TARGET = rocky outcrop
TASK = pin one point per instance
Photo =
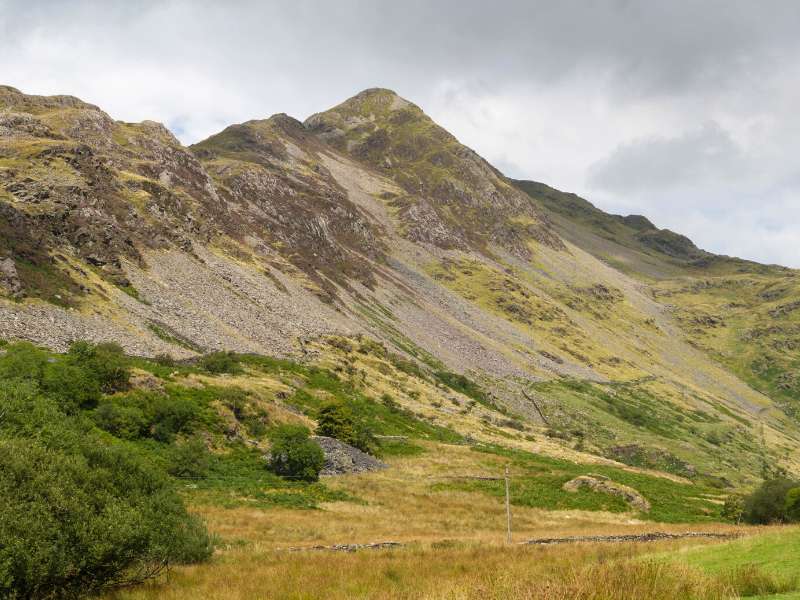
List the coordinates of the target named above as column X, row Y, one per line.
column 341, row 458
column 9, row 279
column 602, row 484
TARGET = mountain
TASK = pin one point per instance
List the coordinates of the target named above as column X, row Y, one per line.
column 590, row 334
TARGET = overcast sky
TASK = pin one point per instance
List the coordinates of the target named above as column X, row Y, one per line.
column 687, row 112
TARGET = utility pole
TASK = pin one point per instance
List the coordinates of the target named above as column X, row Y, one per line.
column 508, row 509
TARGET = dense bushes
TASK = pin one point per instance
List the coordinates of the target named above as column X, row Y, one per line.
column 75, row 380
column 146, row 414
column 293, row 454
column 220, row 362
column 79, row 513
column 775, row 501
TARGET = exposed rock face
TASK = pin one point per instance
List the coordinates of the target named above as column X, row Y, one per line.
column 453, row 198
column 9, row 279
column 599, row 483
column 341, row 458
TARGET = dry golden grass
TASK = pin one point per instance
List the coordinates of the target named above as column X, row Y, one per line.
column 398, row 504
column 453, row 547
column 446, row 571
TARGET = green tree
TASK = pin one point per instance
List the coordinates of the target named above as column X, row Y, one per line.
column 293, row 454
column 767, row 504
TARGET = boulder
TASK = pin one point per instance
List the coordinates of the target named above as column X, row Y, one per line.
column 602, row 484
column 9, row 279
column 341, row 458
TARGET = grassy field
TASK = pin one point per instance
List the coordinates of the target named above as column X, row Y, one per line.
column 465, row 570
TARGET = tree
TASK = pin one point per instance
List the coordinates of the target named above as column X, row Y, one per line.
column 293, row 454
column 767, row 504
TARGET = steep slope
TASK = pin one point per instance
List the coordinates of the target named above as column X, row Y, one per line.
column 369, row 219
column 743, row 314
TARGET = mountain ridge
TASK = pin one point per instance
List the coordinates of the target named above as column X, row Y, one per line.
column 370, row 219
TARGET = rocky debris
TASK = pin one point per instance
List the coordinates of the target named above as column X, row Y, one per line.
column 348, row 547
column 656, row 536
column 341, row 458
column 784, row 309
column 602, row 484
column 636, row 455
column 9, row 279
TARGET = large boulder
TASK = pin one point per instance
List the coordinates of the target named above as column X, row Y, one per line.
column 602, row 484
column 9, row 279
column 341, row 458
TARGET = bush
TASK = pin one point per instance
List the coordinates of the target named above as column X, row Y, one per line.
column 143, row 414
column 78, row 514
column 733, row 509
column 768, row 504
column 106, row 363
column 190, row 459
column 73, row 387
column 23, row 361
column 336, row 420
column 294, row 454
column 75, row 380
column 126, row 422
column 792, row 505
column 220, row 362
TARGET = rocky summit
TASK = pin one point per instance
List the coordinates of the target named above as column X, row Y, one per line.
column 368, row 221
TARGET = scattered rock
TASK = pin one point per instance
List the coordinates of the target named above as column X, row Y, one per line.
column 656, row 536
column 348, row 547
column 602, row 484
column 341, row 458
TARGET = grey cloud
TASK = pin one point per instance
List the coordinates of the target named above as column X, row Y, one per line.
column 695, row 158
column 610, row 98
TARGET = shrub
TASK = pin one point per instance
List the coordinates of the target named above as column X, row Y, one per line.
column 336, row 420
column 171, row 416
column 106, row 363
column 190, row 459
column 126, row 422
column 78, row 514
column 164, row 360
column 294, row 454
column 792, row 505
column 220, row 362
column 73, row 387
column 144, row 414
column 733, row 509
column 768, row 503
column 23, row 361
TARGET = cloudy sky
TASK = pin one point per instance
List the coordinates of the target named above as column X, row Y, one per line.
column 687, row 112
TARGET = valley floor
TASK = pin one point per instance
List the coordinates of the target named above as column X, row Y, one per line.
column 453, row 547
